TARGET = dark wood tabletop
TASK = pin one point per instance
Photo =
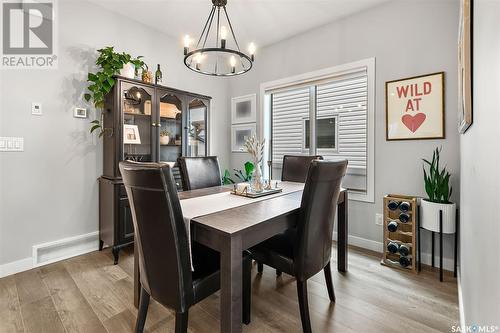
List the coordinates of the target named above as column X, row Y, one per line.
column 233, row 230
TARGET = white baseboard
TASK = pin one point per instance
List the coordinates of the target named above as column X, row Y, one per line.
column 50, row 252
column 379, row 247
column 16, row 267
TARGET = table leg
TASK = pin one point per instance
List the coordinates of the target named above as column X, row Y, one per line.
column 231, row 286
column 342, row 233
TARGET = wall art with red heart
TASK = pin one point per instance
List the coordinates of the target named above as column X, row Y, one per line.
column 415, row 108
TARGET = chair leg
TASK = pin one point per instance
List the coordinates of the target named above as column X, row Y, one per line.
column 329, row 282
column 247, row 291
column 260, row 267
column 143, row 311
column 304, row 306
column 181, row 322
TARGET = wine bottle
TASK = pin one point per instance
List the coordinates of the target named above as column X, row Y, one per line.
column 392, row 226
column 392, row 247
column 404, row 206
column 158, row 75
column 404, row 217
column 404, row 261
column 393, row 205
column 404, row 250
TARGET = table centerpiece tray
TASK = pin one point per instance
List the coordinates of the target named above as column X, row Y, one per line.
column 251, row 194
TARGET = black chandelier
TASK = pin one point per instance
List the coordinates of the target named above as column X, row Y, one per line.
column 218, row 60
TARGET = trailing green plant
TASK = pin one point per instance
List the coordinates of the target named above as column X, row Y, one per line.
column 437, row 181
column 247, row 176
column 226, row 178
column 101, row 82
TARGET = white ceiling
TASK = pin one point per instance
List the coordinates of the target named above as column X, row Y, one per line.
column 261, row 21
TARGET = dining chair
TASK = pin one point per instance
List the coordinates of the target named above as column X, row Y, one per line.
column 305, row 250
column 199, row 172
column 163, row 247
column 294, row 169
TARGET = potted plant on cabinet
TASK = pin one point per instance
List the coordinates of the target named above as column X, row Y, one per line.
column 101, row 82
column 438, row 189
column 164, row 137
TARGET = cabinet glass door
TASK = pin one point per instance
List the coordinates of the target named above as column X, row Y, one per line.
column 170, row 120
column 197, row 128
column 137, row 123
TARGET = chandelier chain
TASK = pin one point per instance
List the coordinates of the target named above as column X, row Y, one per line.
column 205, row 27
column 231, row 28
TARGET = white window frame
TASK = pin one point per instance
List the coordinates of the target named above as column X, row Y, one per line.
column 326, row 75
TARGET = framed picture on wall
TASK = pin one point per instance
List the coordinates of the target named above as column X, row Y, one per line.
column 415, row 108
column 465, row 66
column 239, row 134
column 244, row 109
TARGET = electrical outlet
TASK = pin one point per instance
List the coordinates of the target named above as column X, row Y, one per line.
column 36, row 109
column 379, row 219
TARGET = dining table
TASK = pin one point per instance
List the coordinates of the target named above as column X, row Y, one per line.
column 232, row 230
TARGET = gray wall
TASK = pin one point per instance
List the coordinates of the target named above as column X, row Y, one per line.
column 407, row 38
column 50, row 190
column 480, row 180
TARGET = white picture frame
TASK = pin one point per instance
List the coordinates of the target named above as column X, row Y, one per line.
column 239, row 134
column 131, row 135
column 244, row 109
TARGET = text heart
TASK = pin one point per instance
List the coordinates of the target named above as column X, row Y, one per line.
column 413, row 122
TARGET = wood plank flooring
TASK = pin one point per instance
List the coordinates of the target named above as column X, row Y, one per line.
column 90, row 294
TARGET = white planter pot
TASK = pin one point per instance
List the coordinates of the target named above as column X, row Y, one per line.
column 128, row 70
column 164, row 140
column 430, row 216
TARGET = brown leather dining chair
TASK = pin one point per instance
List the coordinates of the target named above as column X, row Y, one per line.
column 199, row 172
column 295, row 168
column 305, row 250
column 163, row 247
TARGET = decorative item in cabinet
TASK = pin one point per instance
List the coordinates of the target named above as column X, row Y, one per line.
column 400, row 236
column 168, row 110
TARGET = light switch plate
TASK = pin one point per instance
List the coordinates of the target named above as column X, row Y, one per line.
column 36, row 109
column 11, row 144
column 379, row 219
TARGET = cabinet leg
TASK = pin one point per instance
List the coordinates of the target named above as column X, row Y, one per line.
column 116, row 255
column 441, row 245
column 101, row 244
column 432, row 252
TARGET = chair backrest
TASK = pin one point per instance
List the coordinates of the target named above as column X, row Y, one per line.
column 295, row 167
column 199, row 172
column 161, row 238
column 313, row 247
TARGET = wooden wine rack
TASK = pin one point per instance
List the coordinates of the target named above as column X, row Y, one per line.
column 405, row 234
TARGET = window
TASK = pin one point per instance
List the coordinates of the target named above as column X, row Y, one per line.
column 328, row 113
column 326, row 129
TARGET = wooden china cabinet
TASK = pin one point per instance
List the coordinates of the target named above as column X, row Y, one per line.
column 145, row 123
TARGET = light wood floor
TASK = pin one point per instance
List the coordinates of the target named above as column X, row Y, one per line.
column 90, row 294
